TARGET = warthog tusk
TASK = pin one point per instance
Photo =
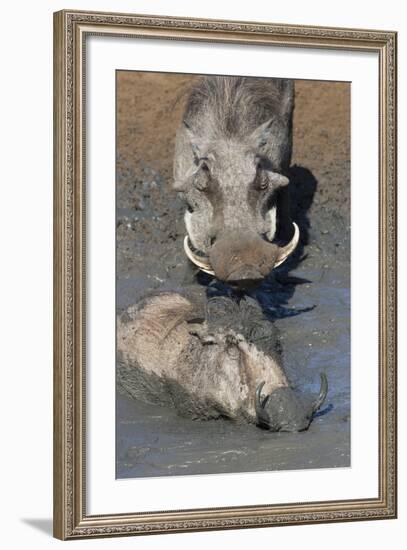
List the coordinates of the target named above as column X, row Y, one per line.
column 289, row 248
column 261, row 403
column 262, row 418
column 322, row 392
column 202, row 263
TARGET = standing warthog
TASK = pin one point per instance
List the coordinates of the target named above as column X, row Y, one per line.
column 216, row 366
column 232, row 153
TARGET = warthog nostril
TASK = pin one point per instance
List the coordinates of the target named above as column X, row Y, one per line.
column 212, row 241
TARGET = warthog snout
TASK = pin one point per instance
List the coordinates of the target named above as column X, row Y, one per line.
column 286, row 410
column 242, row 259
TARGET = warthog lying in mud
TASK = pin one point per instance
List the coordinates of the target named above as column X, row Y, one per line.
column 232, row 153
column 210, row 367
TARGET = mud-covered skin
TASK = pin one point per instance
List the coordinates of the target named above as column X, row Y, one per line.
column 201, row 360
column 207, row 367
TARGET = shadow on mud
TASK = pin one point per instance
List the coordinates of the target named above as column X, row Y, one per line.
column 278, row 288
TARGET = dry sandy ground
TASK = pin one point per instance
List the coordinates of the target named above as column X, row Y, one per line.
column 309, row 299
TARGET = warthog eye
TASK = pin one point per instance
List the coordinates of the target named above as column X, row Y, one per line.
column 203, row 164
column 201, row 182
column 261, row 182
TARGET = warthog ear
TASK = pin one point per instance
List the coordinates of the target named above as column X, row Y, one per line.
column 198, row 145
column 261, row 134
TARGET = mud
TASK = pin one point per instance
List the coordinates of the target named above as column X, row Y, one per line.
column 308, row 298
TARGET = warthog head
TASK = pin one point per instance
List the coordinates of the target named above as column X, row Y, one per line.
column 286, row 410
column 231, row 154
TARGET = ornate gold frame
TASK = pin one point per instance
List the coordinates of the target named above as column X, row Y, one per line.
column 70, row 518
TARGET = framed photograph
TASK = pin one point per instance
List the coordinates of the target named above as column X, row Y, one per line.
column 225, row 274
